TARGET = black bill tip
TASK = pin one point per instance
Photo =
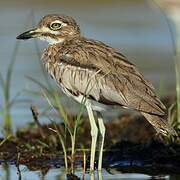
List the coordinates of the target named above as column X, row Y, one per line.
column 23, row 37
column 27, row 35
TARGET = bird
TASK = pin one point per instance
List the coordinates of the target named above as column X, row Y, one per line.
column 89, row 69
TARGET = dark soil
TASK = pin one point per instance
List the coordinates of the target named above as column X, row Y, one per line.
column 33, row 148
column 151, row 158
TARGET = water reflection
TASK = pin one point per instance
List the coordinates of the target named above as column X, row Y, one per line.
column 11, row 172
column 6, row 171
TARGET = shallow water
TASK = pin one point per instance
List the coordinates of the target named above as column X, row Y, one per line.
column 10, row 172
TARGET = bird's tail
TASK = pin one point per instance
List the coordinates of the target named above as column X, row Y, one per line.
column 160, row 124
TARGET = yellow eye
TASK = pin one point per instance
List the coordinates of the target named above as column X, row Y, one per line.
column 55, row 26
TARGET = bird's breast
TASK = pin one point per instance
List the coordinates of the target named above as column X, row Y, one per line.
column 63, row 74
column 74, row 81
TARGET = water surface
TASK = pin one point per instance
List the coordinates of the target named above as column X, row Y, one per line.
column 11, row 172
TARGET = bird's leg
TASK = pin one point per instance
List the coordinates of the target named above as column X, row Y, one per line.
column 101, row 142
column 94, row 133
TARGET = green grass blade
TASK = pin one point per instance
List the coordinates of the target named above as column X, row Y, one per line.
column 42, row 143
column 39, row 84
column 15, row 99
column 59, row 109
column 7, row 85
column 1, row 81
column 5, row 139
column 33, row 93
column 177, row 69
column 62, row 143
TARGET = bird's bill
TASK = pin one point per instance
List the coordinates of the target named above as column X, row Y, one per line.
column 33, row 33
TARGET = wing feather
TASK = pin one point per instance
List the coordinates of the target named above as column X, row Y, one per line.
column 117, row 82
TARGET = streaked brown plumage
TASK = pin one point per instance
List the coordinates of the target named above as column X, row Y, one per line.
column 117, row 82
column 85, row 67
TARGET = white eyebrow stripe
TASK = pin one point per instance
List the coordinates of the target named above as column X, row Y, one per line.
column 47, row 30
column 58, row 21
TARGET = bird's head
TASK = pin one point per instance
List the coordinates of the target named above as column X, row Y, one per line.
column 54, row 29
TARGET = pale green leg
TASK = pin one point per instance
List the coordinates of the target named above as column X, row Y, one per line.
column 92, row 176
column 94, row 133
column 101, row 144
column 100, row 175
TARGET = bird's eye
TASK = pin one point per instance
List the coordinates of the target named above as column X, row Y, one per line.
column 55, row 26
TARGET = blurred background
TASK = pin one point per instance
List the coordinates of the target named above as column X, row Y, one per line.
column 137, row 28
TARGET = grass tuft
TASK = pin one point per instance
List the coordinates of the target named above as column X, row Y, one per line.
column 6, row 88
column 5, row 84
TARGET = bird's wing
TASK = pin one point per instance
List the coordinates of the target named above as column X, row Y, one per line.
column 119, row 82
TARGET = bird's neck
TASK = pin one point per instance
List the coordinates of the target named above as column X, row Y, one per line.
column 49, row 53
column 55, row 48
